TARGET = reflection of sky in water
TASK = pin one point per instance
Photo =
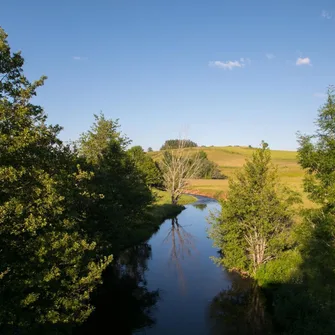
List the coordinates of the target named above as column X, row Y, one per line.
column 171, row 285
column 185, row 294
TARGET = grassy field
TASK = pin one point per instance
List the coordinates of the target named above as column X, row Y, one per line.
column 230, row 159
column 164, row 198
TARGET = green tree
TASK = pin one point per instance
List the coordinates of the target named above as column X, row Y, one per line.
column 150, row 149
column 47, row 267
column 124, row 195
column 147, row 166
column 316, row 155
column 313, row 301
column 209, row 169
column 93, row 144
column 175, row 144
column 255, row 222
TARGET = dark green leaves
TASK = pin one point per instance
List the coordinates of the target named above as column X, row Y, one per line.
column 48, row 268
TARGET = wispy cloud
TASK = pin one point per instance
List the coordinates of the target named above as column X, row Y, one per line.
column 320, row 95
column 270, row 56
column 303, row 61
column 326, row 15
column 79, row 58
column 229, row 65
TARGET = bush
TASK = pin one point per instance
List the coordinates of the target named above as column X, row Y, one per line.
column 281, row 270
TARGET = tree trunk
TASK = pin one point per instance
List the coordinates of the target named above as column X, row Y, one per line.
column 174, row 200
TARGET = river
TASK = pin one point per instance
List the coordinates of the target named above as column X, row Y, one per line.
column 169, row 285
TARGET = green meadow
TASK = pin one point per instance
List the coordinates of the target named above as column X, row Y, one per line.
column 232, row 158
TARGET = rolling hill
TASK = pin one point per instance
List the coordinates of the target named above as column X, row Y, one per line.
column 231, row 158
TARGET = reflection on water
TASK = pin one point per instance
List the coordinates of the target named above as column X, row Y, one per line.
column 169, row 285
column 240, row 309
column 123, row 303
column 181, row 245
column 200, row 205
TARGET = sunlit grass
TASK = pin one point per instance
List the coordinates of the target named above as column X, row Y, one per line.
column 163, row 197
column 231, row 158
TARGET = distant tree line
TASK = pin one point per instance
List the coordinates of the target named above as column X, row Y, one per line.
column 175, row 144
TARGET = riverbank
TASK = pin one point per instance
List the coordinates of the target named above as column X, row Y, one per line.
column 156, row 214
column 164, row 197
column 217, row 195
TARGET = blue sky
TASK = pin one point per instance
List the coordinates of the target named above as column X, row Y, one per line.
column 223, row 72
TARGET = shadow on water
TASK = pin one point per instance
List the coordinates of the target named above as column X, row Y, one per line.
column 185, row 293
column 240, row 309
column 200, row 205
column 123, row 304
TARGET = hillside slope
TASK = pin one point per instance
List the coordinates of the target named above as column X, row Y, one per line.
column 232, row 158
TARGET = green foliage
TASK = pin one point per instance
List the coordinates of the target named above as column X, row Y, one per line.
column 95, row 142
column 124, row 195
column 301, row 283
column 317, row 156
column 208, row 169
column 48, row 267
column 284, row 269
column 307, row 307
column 147, row 166
column 175, row 144
column 255, row 222
column 150, row 149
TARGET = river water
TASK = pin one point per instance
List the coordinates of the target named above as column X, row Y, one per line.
column 169, row 285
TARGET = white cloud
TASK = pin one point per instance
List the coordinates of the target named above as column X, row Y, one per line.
column 79, row 58
column 303, row 61
column 270, row 56
column 229, row 65
column 320, row 95
column 326, row 15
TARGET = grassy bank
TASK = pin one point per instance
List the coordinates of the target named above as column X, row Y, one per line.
column 160, row 211
column 163, row 198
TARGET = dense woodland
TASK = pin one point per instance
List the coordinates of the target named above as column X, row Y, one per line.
column 66, row 209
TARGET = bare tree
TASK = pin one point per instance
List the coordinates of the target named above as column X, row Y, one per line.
column 178, row 166
column 182, row 245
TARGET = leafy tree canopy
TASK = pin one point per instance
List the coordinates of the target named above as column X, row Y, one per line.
column 124, row 193
column 255, row 222
column 47, row 266
column 147, row 166
column 174, row 144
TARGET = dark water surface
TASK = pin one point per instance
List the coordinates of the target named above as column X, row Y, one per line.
column 181, row 268
column 169, row 285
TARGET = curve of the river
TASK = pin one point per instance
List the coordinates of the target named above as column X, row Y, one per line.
column 170, row 285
